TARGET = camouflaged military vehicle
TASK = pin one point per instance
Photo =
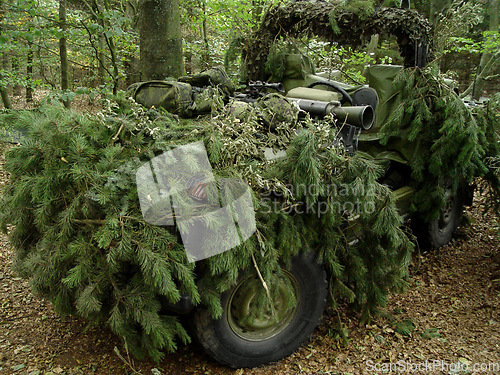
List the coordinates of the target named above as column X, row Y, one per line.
column 236, row 339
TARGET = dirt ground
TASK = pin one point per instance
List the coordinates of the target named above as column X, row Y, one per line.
column 447, row 322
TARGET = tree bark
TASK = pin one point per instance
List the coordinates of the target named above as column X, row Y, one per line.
column 432, row 13
column 372, row 47
column 204, row 33
column 487, row 59
column 114, row 63
column 29, row 73
column 160, row 39
column 3, row 88
column 473, row 89
column 4, row 92
column 17, row 88
column 5, row 98
column 63, row 50
column 101, row 58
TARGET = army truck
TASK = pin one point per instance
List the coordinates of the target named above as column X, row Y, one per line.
column 237, row 338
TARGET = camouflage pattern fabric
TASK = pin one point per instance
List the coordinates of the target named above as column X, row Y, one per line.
column 275, row 110
column 212, row 77
column 207, row 100
column 240, row 110
column 189, row 96
column 272, row 112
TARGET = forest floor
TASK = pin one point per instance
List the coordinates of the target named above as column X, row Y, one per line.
column 450, row 312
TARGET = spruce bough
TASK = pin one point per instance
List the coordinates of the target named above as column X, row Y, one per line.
column 74, row 220
column 447, row 141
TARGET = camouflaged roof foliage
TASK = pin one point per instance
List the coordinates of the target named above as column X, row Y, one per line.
column 313, row 18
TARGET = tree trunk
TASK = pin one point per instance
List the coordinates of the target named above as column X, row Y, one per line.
column 3, row 89
column 5, row 98
column 495, row 15
column 110, row 43
column 17, row 88
column 487, row 61
column 101, row 58
column 29, row 73
column 63, row 50
column 432, row 13
column 204, row 32
column 160, row 39
column 114, row 63
column 372, row 47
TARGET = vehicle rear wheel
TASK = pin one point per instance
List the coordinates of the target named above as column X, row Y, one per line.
column 239, row 339
column 438, row 232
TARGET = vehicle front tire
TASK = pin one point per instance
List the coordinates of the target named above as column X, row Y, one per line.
column 236, row 340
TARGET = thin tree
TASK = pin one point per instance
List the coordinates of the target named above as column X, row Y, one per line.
column 63, row 50
column 29, row 72
column 489, row 58
column 3, row 87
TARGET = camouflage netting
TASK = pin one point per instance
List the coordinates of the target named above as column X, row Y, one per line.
column 351, row 24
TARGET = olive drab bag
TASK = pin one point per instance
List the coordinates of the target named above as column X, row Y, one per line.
column 175, row 97
column 189, row 96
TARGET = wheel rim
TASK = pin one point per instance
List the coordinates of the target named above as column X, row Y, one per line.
column 242, row 303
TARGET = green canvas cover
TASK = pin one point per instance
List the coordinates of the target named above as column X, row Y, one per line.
column 313, row 94
column 380, row 77
column 399, row 149
column 298, row 66
column 299, row 72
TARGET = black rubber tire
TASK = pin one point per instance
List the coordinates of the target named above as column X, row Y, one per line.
column 438, row 232
column 224, row 345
